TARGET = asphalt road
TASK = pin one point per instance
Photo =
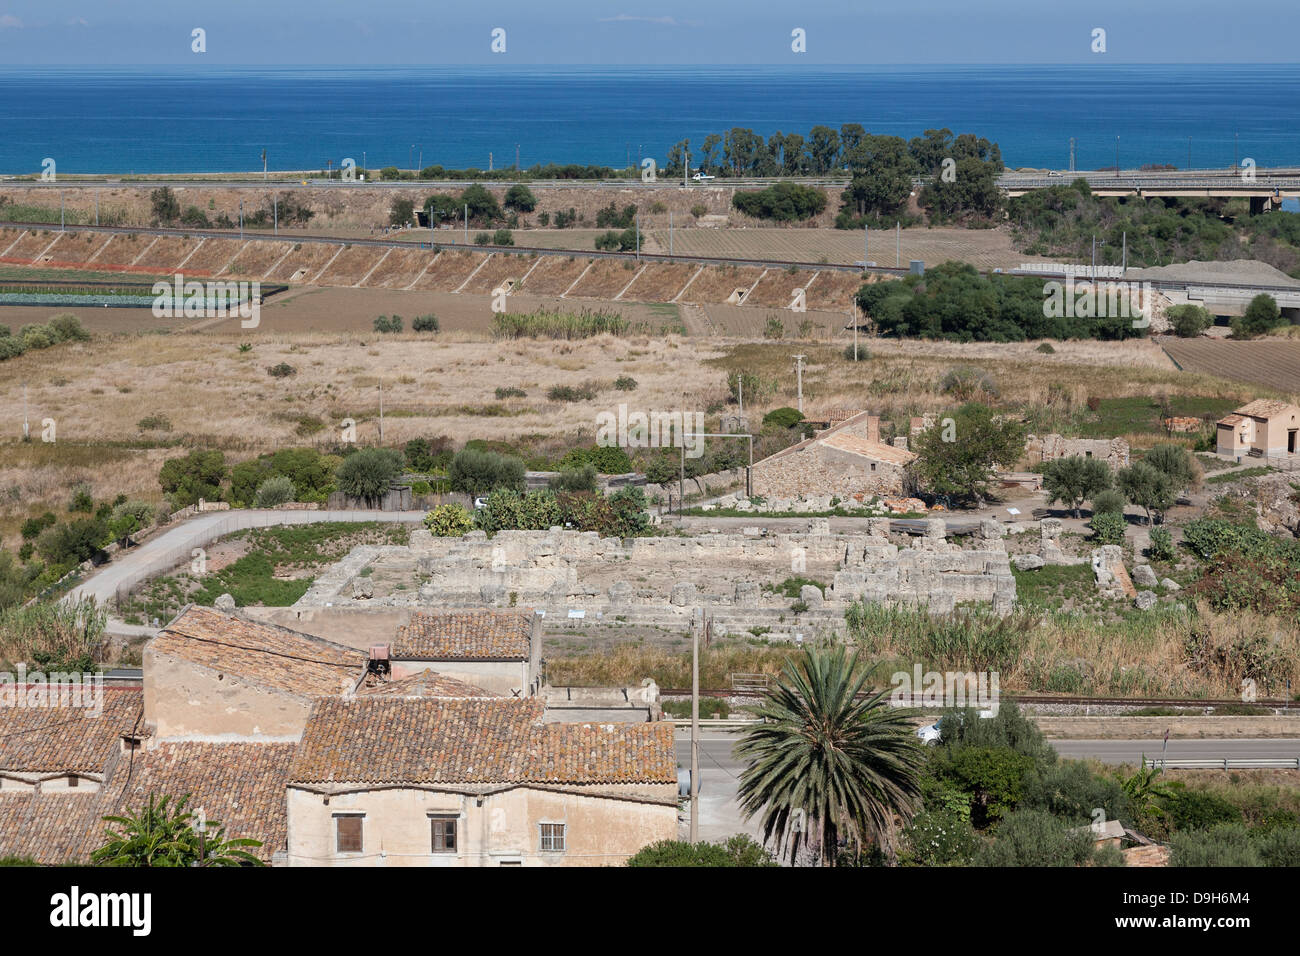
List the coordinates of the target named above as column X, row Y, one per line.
column 176, row 546
column 720, row 769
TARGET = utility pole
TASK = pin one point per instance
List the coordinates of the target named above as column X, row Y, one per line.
column 1072, row 141
column 695, row 728
column 740, row 391
column 798, row 371
column 263, row 165
column 516, row 157
column 638, row 234
column 26, row 428
column 241, row 219
column 97, row 207
column 61, row 218
column 381, row 410
column 1123, row 267
column 670, row 232
column 898, row 244
column 855, row 329
column 1117, row 157
column 467, row 224
column 489, row 162
column 1236, row 151
column 275, row 208
column 1189, row 152
column 363, row 162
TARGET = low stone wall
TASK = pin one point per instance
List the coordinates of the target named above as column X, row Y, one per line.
column 1179, row 727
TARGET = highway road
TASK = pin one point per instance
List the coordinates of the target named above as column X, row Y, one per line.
column 720, row 769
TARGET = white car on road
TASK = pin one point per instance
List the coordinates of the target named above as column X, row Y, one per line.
column 929, row 735
column 701, row 177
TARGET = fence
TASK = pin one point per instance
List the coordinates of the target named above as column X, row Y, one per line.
column 1226, row 763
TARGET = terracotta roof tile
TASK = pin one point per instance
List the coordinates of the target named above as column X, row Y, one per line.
column 427, row 683
column 465, row 636
column 876, row 450
column 263, row 653
column 369, row 740
column 1264, row 408
column 66, row 738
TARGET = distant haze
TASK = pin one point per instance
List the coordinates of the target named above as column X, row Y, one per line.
column 571, row 32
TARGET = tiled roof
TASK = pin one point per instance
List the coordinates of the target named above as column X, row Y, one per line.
column 1231, row 420
column 370, row 740
column 866, row 448
column 427, row 683
column 1264, row 408
column 465, row 636
column 66, row 738
column 241, row 785
column 263, row 653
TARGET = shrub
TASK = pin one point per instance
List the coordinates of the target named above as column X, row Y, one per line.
column 774, row 328
column 519, row 197
column 1188, row 321
column 1045, row 348
column 965, row 383
column 941, row 838
column 1109, row 501
column 572, row 393
column 385, row 324
column 510, row 391
column 625, row 383
column 575, row 479
column 424, row 323
column 547, row 324
column 281, row 370
column 1226, row 845
column 154, row 423
column 699, row 209
column 449, row 521
column 72, row 543
column 1036, row 838
column 739, row 850
column 275, row 491
column 784, row 202
column 1162, row 544
column 503, row 237
column 401, row 212
column 477, row 472
column 67, row 328
column 32, row 527
column 482, row 238
column 1199, row 810
column 1108, row 527
column 862, row 353
column 1260, row 316
column 785, row 417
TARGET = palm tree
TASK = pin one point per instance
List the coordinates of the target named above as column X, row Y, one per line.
column 845, row 765
column 165, row 835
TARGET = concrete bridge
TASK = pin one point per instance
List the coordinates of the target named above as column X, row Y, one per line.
column 1266, row 188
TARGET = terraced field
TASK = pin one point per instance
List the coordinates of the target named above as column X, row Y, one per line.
column 1271, row 362
column 553, row 276
column 606, row 279
column 496, row 271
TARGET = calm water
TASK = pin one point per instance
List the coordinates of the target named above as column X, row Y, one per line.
column 179, row 120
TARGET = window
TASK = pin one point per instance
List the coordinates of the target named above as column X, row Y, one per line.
column 553, row 837
column 347, row 832
column 443, row 834
column 74, row 781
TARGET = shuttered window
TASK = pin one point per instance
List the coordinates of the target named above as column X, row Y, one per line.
column 347, row 832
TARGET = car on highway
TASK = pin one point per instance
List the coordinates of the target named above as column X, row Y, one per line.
column 930, row 734
column 702, row 177
column 480, row 504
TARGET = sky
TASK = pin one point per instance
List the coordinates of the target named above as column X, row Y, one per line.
column 270, row 33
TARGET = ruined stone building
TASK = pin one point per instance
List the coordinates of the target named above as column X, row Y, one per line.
column 844, row 460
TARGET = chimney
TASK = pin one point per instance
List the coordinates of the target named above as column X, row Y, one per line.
column 873, row 428
column 379, row 663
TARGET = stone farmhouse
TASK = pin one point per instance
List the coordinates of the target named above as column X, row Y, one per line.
column 1043, row 448
column 843, row 460
column 269, row 730
column 1265, row 428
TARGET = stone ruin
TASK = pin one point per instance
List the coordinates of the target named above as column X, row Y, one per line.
column 580, row 576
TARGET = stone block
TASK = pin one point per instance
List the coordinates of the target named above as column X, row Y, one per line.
column 1028, row 562
column 1144, row 576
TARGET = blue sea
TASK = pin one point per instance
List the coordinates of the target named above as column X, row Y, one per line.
column 175, row 120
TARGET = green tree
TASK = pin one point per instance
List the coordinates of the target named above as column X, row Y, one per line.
column 163, row 833
column 738, row 850
column 369, row 473
column 582, row 478
column 197, row 475
column 1074, row 480
column 164, row 205
column 882, row 179
column 1149, row 488
column 483, row 206
column 274, row 491
column 520, row 198
column 846, row 765
column 1260, row 316
column 958, row 454
column 401, row 212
